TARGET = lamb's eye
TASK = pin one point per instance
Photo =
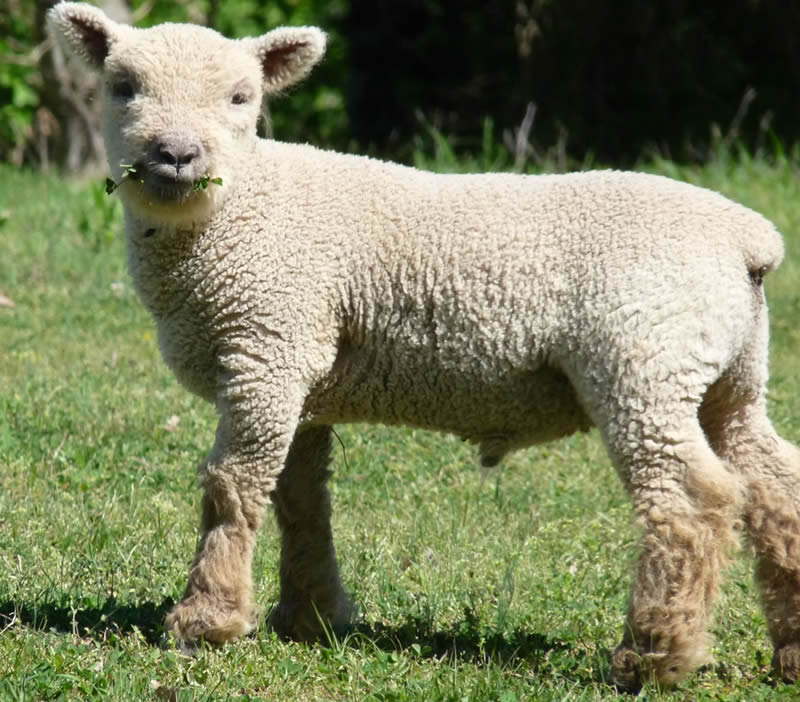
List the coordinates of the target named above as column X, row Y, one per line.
column 239, row 98
column 122, row 89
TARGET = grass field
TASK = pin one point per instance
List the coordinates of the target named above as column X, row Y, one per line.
column 503, row 586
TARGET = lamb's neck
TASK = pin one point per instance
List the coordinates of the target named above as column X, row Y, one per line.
column 159, row 260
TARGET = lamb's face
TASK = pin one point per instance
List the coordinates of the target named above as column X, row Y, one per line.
column 181, row 103
column 180, row 108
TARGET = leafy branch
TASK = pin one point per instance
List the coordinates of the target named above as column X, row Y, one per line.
column 129, row 171
column 203, row 182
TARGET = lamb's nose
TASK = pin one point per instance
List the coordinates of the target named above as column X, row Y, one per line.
column 177, row 153
column 177, row 149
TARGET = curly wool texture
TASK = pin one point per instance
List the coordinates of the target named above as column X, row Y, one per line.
column 313, row 287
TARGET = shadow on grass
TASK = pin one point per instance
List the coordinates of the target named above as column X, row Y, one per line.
column 95, row 622
column 465, row 642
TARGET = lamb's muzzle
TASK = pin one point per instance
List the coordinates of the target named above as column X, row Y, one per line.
column 175, row 160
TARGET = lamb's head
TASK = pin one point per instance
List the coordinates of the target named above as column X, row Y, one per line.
column 181, row 102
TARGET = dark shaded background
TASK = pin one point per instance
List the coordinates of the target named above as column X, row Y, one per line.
column 613, row 78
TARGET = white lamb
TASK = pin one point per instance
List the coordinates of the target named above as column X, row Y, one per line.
column 310, row 287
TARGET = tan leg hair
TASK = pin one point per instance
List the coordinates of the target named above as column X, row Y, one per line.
column 217, row 605
column 688, row 535
column 770, row 469
column 312, row 598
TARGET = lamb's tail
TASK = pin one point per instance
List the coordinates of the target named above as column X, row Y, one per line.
column 762, row 245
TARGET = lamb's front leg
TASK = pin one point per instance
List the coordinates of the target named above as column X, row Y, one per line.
column 237, row 480
column 217, row 605
column 312, row 597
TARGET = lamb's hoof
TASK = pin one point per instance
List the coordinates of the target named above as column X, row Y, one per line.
column 626, row 669
column 786, row 662
column 305, row 623
column 185, row 648
column 201, row 618
column 630, row 669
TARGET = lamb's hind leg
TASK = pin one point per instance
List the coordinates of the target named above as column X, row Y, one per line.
column 311, row 595
column 685, row 501
column 740, row 432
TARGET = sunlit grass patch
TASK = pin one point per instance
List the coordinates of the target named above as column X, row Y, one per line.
column 505, row 585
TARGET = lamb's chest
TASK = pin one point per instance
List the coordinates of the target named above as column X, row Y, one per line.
column 167, row 280
column 187, row 350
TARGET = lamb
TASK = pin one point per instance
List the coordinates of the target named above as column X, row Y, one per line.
column 295, row 288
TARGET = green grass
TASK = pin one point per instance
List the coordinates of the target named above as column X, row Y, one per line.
column 503, row 586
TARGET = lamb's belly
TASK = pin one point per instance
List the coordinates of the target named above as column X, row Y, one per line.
column 513, row 410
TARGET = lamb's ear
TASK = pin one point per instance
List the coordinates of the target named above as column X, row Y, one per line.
column 287, row 55
column 82, row 30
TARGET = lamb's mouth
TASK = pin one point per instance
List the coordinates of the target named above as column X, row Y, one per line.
column 164, row 183
column 169, row 184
